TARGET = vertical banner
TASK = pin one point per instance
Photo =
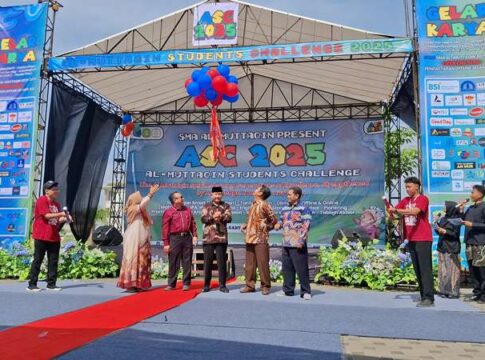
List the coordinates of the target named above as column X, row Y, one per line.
column 451, row 37
column 22, row 33
column 215, row 24
column 339, row 164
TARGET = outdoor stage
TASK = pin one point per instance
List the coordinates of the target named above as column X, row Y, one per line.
column 334, row 323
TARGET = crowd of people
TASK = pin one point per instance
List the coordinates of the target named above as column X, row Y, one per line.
column 179, row 236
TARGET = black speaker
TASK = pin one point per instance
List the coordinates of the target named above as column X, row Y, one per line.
column 351, row 235
column 107, row 235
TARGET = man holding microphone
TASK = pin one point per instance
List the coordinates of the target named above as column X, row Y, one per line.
column 48, row 220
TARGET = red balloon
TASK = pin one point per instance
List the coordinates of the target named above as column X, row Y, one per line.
column 201, row 100
column 213, row 73
column 187, row 82
column 232, row 90
column 127, row 129
column 219, row 83
column 217, row 101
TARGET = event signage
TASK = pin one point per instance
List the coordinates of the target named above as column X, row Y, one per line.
column 452, row 95
column 339, row 164
column 215, row 24
column 22, row 30
column 232, row 54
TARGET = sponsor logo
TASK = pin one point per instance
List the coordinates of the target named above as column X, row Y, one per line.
column 455, row 132
column 437, row 100
column 481, row 99
column 463, row 154
column 454, row 100
column 438, row 154
column 6, row 191
column 3, row 153
column 435, row 121
column 12, row 106
column 465, row 165
column 440, row 132
column 25, row 116
column 481, row 142
column 464, row 121
column 20, row 163
column 443, row 86
column 441, row 165
column 476, row 112
column 12, row 117
column 24, row 190
column 22, row 136
column 440, row 174
column 26, row 105
column 4, row 173
column 480, row 121
column 468, row 132
column 16, row 128
column 7, row 136
column 4, row 127
column 470, row 99
column 467, row 185
column 479, row 131
column 457, row 185
column 3, row 105
column 467, row 86
column 462, row 142
column 481, row 85
column 457, row 174
column 459, row 111
column 440, row 112
column 3, row 118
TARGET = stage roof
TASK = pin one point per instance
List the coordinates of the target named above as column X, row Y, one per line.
column 350, row 80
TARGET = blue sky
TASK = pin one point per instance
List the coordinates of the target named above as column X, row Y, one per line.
column 81, row 22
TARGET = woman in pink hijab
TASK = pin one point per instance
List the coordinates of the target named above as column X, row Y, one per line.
column 135, row 270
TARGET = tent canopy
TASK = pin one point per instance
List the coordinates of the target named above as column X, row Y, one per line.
column 356, row 80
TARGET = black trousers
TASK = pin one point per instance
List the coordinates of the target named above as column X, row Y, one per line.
column 181, row 250
column 478, row 279
column 421, row 256
column 40, row 248
column 295, row 262
column 220, row 251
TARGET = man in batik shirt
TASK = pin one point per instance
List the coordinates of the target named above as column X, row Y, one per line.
column 295, row 222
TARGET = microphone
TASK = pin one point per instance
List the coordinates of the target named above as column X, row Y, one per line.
column 68, row 215
column 462, row 203
column 388, row 206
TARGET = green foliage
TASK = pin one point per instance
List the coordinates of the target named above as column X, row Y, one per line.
column 408, row 162
column 275, row 272
column 160, row 269
column 75, row 262
column 352, row 264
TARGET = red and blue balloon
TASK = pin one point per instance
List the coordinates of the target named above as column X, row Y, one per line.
column 212, row 85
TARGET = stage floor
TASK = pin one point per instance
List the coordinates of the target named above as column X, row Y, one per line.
column 336, row 322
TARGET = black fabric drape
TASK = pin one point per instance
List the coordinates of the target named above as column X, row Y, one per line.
column 403, row 106
column 79, row 139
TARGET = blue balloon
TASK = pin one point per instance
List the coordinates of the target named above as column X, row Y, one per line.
column 204, row 69
column 231, row 99
column 232, row 79
column 204, row 81
column 210, row 94
column 193, row 89
column 196, row 74
column 126, row 119
column 224, row 70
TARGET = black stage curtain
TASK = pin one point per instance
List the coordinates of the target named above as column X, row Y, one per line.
column 403, row 106
column 79, row 139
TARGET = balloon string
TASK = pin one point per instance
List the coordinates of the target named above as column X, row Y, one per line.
column 217, row 140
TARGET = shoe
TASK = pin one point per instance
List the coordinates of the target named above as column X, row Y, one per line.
column 33, row 288
column 54, row 288
column 206, row 289
column 472, row 298
column 306, row 296
column 282, row 293
column 186, row 288
column 246, row 289
column 453, row 296
column 169, row 288
column 224, row 289
column 265, row 291
column 481, row 301
column 425, row 303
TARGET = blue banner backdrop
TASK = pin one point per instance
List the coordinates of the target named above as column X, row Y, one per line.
column 22, row 32
column 339, row 164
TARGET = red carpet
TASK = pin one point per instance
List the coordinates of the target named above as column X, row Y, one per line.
column 53, row 336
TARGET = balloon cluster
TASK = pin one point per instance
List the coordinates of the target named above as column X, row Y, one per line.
column 212, row 85
column 128, row 125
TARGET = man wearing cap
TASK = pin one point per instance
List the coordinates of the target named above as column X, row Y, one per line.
column 48, row 219
column 474, row 221
column 179, row 235
column 215, row 217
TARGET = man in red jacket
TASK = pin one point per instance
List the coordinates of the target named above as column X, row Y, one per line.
column 417, row 230
column 48, row 219
column 179, row 235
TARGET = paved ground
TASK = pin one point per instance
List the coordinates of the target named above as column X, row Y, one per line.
column 337, row 323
